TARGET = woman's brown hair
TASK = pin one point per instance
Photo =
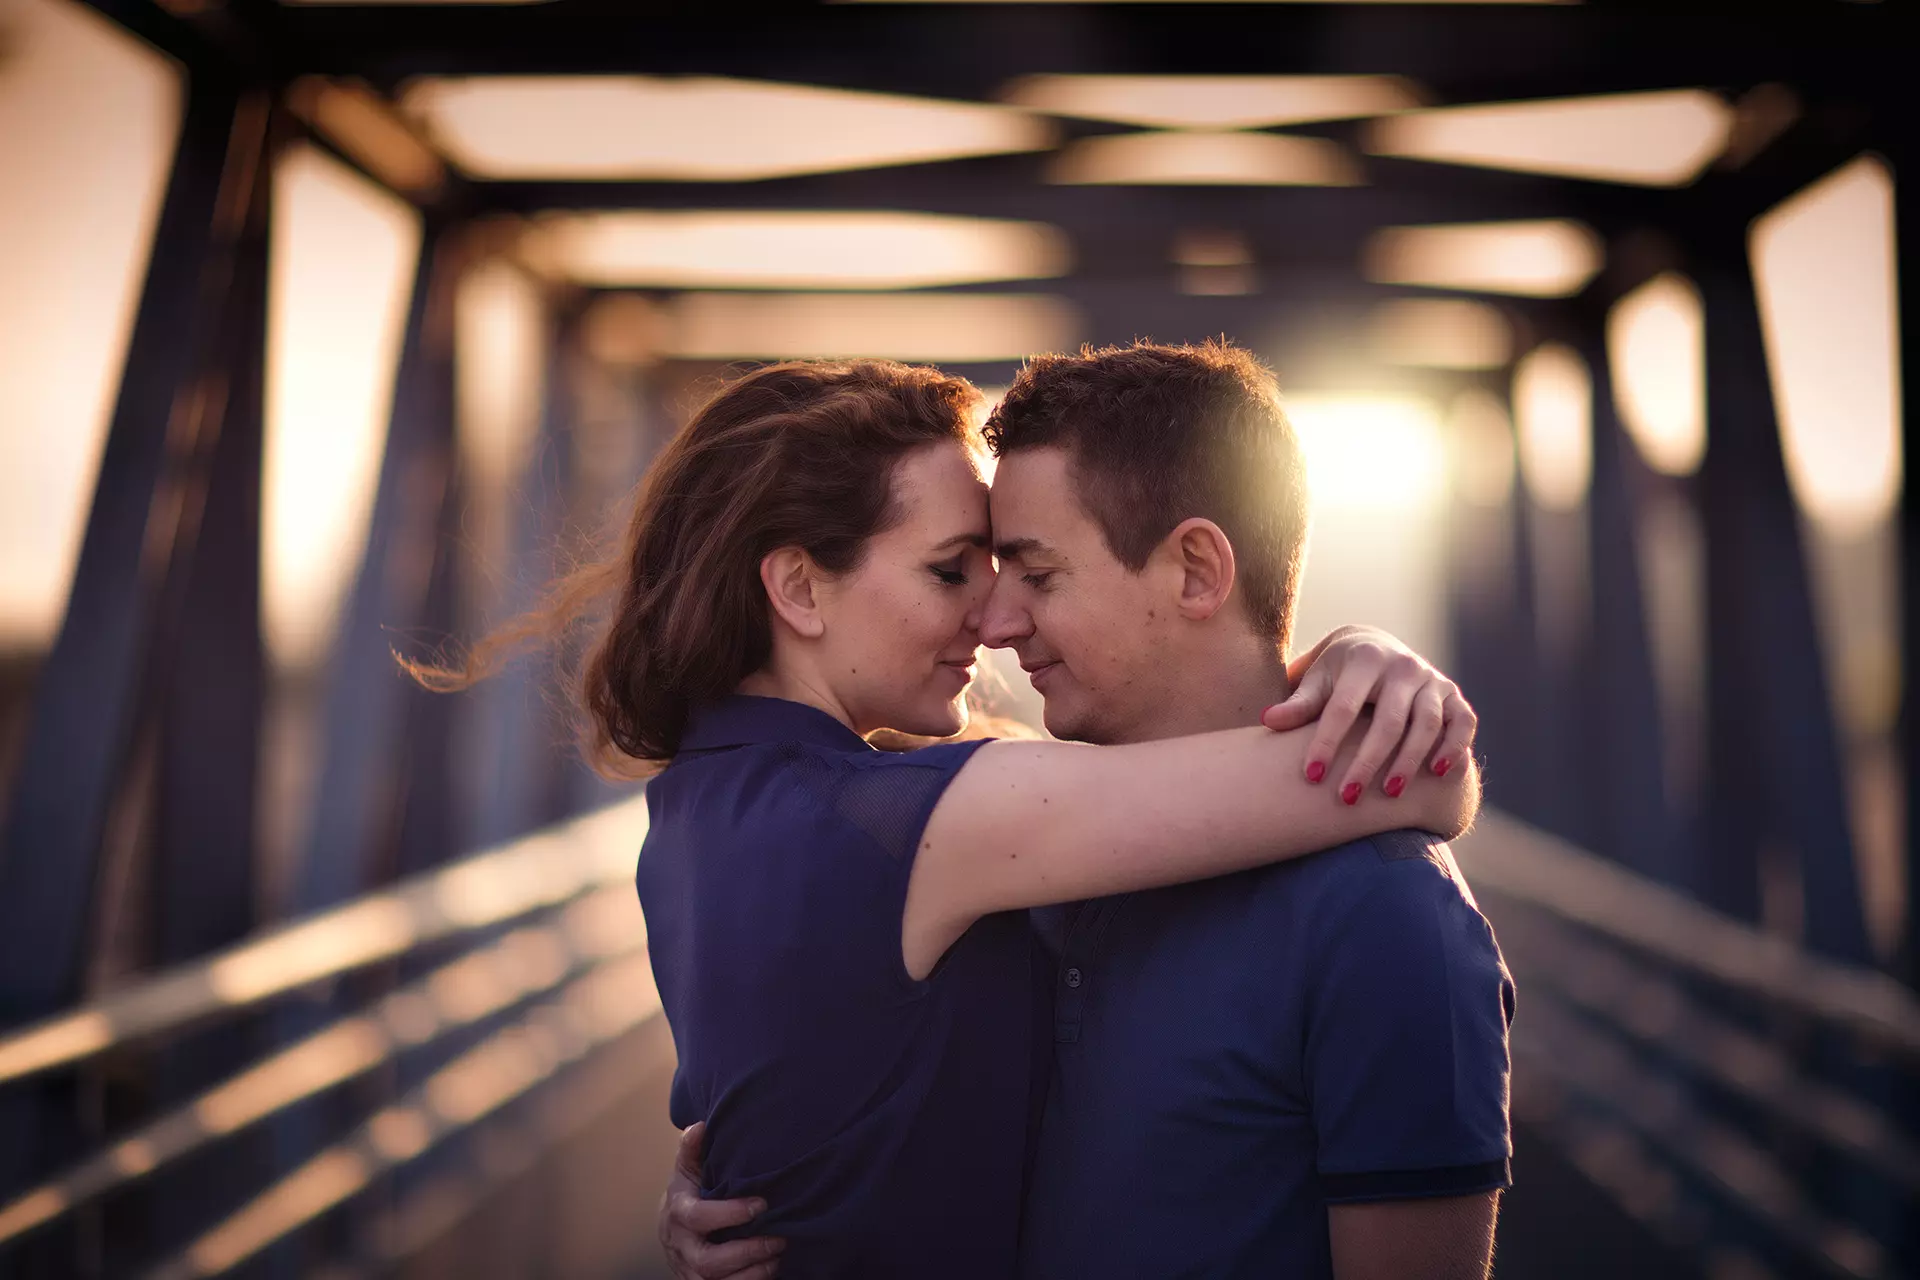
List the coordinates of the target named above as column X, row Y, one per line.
column 795, row 454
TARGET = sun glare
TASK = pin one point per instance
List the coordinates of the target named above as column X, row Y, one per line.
column 88, row 117
column 700, row 129
column 1656, row 341
column 1649, row 139
column 1548, row 258
column 1440, row 333
column 1553, row 407
column 1824, row 270
column 1202, row 158
column 499, row 370
column 792, row 249
column 1212, row 102
column 1377, row 467
column 955, row 327
column 1370, row 451
column 342, row 266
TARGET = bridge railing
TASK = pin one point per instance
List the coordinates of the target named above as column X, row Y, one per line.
column 1749, row 1101
column 531, row 961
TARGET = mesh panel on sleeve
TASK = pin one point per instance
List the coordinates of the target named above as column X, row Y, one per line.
column 890, row 803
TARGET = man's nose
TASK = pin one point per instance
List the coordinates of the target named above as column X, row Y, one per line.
column 1003, row 623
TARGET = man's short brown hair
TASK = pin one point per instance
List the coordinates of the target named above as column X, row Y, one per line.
column 1158, row 434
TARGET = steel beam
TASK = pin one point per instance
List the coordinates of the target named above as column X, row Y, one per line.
column 1460, row 53
column 1288, row 223
column 1774, row 764
column 377, row 802
column 525, row 787
column 172, row 490
column 1904, row 147
column 1623, row 694
column 139, row 541
column 431, row 830
column 203, row 879
column 356, row 813
column 1495, row 631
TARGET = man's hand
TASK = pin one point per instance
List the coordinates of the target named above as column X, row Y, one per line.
column 1419, row 716
column 1443, row 1238
column 686, row 1221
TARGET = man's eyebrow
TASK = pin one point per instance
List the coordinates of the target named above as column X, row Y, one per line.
column 1014, row 548
column 963, row 539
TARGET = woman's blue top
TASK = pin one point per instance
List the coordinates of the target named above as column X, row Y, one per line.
column 883, row 1120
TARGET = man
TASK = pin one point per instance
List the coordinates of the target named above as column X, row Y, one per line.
column 1295, row 1071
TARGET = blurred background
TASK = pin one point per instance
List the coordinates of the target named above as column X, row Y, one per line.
column 328, row 327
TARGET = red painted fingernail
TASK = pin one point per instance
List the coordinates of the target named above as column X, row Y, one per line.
column 1316, row 771
column 1441, row 766
column 1395, row 785
column 1351, row 793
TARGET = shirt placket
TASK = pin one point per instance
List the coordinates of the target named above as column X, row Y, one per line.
column 1075, row 976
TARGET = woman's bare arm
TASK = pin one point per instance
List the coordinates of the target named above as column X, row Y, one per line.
column 1024, row 824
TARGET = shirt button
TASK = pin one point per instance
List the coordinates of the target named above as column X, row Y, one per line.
column 1073, row 977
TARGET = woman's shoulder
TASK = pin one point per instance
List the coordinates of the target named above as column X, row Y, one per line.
column 882, row 795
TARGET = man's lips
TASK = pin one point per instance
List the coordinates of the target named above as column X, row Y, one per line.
column 1037, row 671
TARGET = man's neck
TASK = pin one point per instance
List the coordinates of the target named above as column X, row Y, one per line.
column 1228, row 692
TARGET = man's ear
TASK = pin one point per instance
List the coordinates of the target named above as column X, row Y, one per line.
column 1204, row 559
column 789, row 574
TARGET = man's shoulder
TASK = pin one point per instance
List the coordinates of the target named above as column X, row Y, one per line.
column 1360, row 867
column 1309, row 895
column 1367, row 891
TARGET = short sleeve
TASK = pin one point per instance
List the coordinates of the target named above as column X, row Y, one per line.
column 1406, row 1050
column 890, row 797
column 871, row 808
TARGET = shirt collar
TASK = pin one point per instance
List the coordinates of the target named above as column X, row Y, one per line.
column 740, row 720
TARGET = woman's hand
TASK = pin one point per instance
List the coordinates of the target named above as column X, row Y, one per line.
column 1416, row 709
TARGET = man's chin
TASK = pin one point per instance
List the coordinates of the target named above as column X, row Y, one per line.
column 1069, row 723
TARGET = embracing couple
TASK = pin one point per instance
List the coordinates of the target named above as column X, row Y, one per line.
column 1206, row 998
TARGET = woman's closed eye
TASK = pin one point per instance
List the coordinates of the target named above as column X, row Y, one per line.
column 953, row 573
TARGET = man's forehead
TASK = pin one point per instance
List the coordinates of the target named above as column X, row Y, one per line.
column 1031, row 480
column 1034, row 507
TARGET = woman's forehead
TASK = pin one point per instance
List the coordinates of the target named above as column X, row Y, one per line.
column 942, row 493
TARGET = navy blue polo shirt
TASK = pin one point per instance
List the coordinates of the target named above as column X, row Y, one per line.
column 1232, row 1056
column 884, row 1120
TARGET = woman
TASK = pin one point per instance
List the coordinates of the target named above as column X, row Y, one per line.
column 834, row 929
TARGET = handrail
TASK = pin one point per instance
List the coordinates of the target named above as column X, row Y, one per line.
column 1507, row 856
column 509, row 1148
column 492, row 888
column 533, row 960
column 1552, row 1041
column 592, row 1011
column 1643, row 1005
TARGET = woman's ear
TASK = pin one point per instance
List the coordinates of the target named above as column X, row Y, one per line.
column 1204, row 559
column 788, row 574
